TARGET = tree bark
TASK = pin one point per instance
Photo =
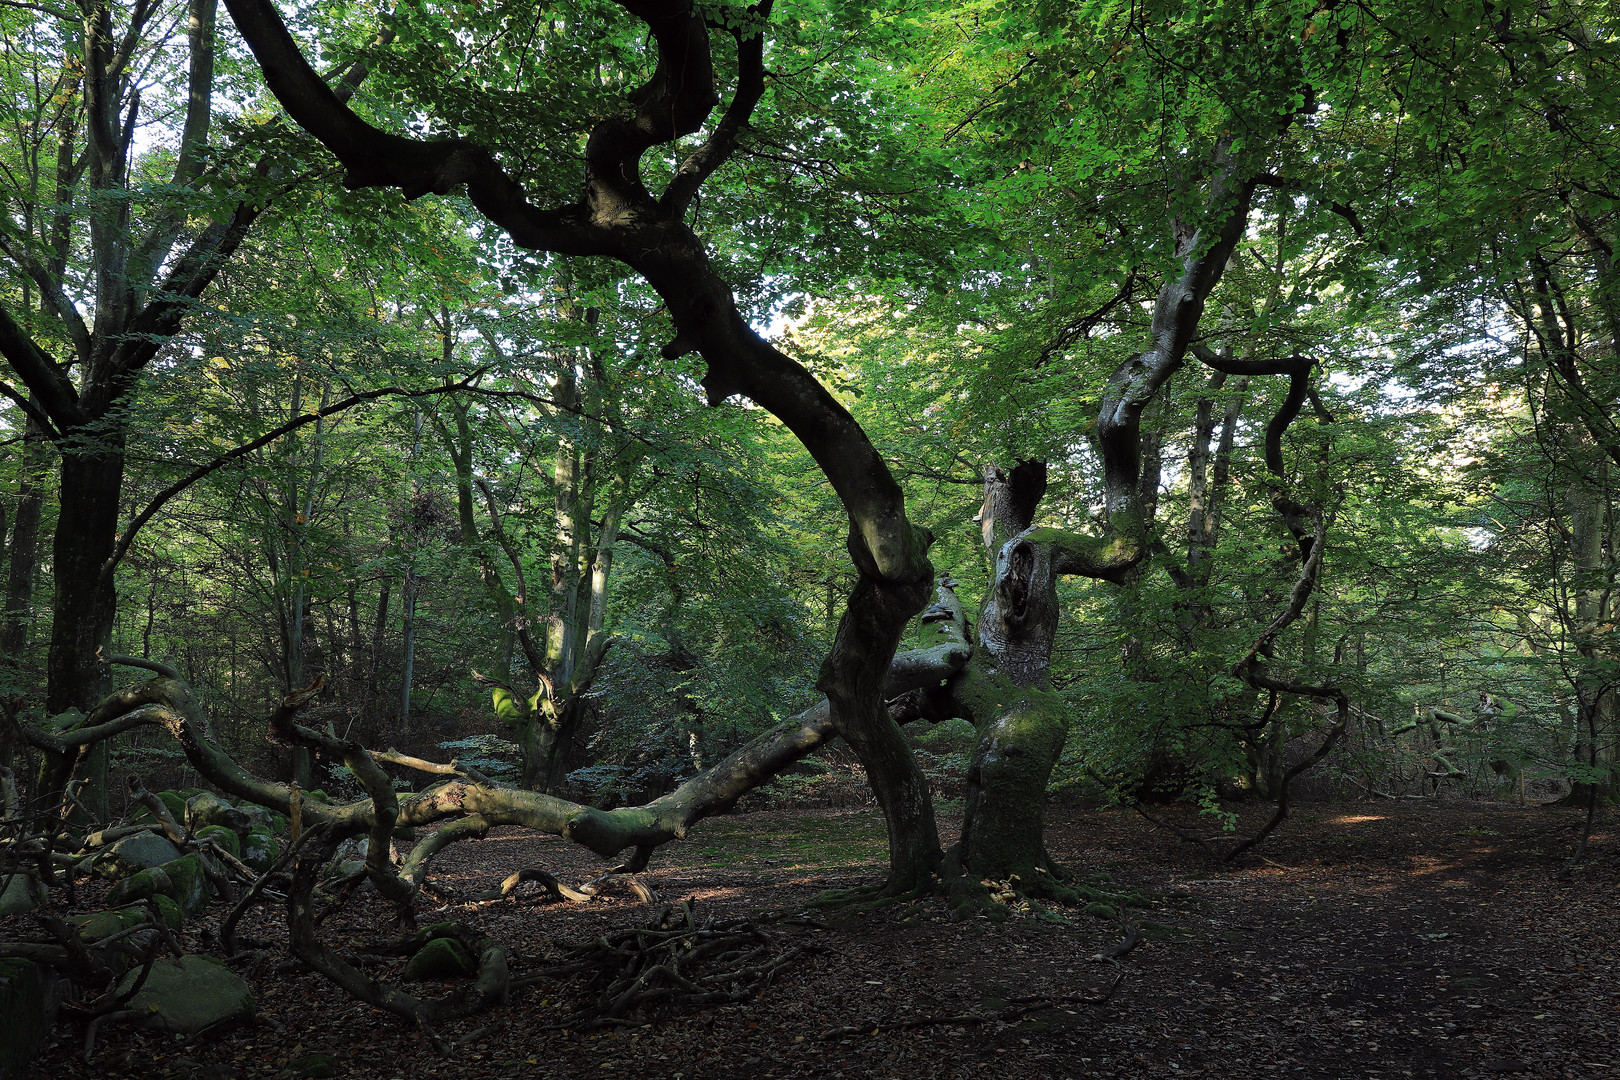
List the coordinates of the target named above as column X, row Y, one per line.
column 1005, row 688
column 24, row 547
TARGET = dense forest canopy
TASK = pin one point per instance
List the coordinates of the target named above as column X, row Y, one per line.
column 625, row 400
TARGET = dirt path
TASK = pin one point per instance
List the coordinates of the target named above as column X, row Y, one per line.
column 1376, row 940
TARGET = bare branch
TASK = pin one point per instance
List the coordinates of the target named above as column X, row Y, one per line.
column 267, row 438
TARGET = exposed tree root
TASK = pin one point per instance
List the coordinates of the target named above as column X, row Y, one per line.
column 617, row 882
column 672, row 962
column 554, row 888
column 869, row 897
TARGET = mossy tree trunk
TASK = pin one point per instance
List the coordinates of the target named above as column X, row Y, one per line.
column 1005, row 689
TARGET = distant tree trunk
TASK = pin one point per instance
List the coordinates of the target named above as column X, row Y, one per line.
column 411, row 534
column 458, row 443
column 408, row 649
column 24, row 547
column 1597, row 700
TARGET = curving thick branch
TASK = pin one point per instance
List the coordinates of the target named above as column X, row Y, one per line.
column 470, row 802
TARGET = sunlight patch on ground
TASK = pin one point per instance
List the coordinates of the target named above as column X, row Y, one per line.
column 1355, row 819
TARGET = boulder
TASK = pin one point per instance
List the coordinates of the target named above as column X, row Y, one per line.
column 133, row 854
column 354, row 848
column 207, row 810
column 225, row 838
column 172, row 801
column 190, row 884
column 182, row 880
column 29, row 994
column 338, row 871
column 100, row 925
column 190, row 994
column 441, row 958
column 22, row 893
column 260, row 849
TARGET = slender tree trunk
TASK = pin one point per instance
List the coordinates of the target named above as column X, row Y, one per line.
column 408, row 659
column 408, row 598
column 24, row 545
column 379, row 633
column 1590, row 554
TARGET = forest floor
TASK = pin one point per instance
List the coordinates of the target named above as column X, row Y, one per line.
column 1393, row 939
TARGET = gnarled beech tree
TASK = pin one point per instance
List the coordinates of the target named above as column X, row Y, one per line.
column 616, row 216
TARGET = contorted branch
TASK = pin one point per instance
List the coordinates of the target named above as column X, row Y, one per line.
column 490, row 987
column 722, row 142
column 1297, row 368
column 616, row 217
column 1204, row 253
column 1280, row 814
column 377, row 784
column 480, row 803
column 1304, row 585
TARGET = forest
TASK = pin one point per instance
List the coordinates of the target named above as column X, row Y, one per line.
column 809, row 537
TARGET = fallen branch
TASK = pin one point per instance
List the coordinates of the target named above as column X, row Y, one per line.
column 490, row 986
column 556, row 889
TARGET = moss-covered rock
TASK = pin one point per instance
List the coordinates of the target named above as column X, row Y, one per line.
column 173, row 802
column 101, row 925
column 133, row 854
column 441, row 958
column 170, row 911
column 190, row 889
column 347, row 868
column 28, row 999
column 207, row 810
column 260, row 849
column 190, row 994
column 153, row 882
column 223, row 836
